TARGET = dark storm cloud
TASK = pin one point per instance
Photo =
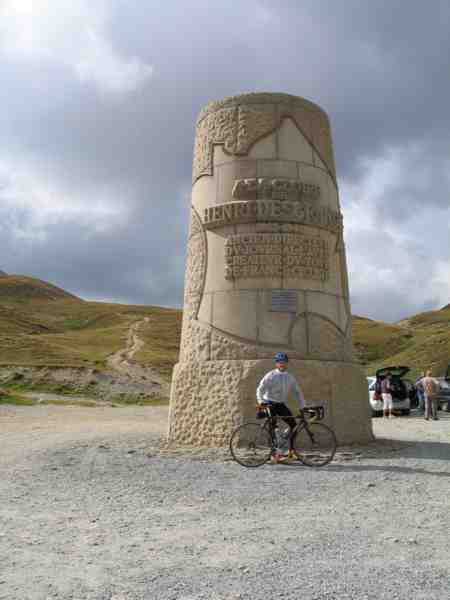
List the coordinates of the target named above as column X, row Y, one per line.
column 113, row 124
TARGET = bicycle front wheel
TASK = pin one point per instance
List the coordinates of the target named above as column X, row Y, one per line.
column 315, row 445
column 251, row 445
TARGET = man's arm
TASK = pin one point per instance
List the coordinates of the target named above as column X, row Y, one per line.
column 298, row 393
column 262, row 388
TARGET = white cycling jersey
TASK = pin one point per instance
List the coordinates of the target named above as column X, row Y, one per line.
column 276, row 385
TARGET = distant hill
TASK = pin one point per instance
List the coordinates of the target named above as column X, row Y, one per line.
column 20, row 287
column 420, row 342
column 43, row 325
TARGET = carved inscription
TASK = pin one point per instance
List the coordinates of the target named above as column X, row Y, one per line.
column 265, row 188
column 279, row 211
column 276, row 255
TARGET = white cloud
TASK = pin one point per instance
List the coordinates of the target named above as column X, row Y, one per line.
column 440, row 282
column 396, row 232
column 262, row 16
column 71, row 33
column 32, row 199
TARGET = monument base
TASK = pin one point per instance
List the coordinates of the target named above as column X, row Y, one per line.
column 209, row 399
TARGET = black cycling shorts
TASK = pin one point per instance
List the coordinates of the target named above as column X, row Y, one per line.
column 281, row 410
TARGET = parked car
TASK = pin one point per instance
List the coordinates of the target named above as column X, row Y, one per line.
column 402, row 389
column 412, row 392
column 443, row 396
column 375, row 405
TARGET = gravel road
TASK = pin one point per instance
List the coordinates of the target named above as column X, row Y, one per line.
column 92, row 508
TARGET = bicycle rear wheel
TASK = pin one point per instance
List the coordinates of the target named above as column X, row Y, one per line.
column 251, row 444
column 315, row 445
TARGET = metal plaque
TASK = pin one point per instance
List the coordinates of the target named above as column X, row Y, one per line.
column 283, row 301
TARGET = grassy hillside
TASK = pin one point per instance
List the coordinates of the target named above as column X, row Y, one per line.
column 20, row 289
column 42, row 325
column 420, row 342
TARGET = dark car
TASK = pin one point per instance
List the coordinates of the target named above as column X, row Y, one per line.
column 443, row 395
column 412, row 392
column 403, row 390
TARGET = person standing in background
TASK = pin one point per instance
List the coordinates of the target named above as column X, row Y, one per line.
column 419, row 393
column 430, row 389
column 387, row 396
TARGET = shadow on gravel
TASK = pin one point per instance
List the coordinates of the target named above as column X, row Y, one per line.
column 387, row 468
column 401, row 448
column 352, row 468
column 416, row 415
column 386, row 448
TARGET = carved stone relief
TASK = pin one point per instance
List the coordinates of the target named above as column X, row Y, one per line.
column 195, row 341
column 253, row 124
column 299, row 335
column 205, row 402
column 224, row 347
column 219, row 128
column 279, row 218
column 286, row 103
column 326, row 340
column 321, row 141
column 196, row 263
column 237, row 123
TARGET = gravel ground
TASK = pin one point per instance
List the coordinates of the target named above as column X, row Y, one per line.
column 92, row 507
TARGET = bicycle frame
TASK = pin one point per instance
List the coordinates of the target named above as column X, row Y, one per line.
column 252, row 444
column 302, row 423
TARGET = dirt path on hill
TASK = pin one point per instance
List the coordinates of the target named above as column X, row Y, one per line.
column 123, row 378
column 122, row 360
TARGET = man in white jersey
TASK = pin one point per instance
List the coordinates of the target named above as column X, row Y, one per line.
column 274, row 389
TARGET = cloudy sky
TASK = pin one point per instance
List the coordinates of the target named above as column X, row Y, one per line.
column 98, row 106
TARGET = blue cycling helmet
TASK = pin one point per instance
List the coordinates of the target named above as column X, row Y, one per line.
column 281, row 357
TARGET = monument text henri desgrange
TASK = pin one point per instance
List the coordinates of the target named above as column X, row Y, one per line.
column 266, row 271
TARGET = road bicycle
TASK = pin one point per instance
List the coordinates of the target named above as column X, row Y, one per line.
column 314, row 444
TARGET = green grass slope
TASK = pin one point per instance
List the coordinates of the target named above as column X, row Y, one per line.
column 420, row 342
column 42, row 325
column 20, row 288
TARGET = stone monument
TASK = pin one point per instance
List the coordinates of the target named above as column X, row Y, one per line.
column 266, row 271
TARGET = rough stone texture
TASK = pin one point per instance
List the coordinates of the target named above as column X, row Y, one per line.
column 266, row 270
column 195, row 341
column 210, row 398
column 205, row 402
